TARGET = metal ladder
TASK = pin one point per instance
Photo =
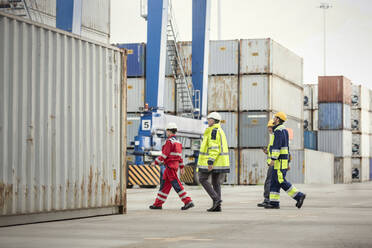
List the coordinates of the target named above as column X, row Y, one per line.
column 16, row 7
column 184, row 87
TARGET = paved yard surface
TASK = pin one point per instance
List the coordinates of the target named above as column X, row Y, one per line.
column 332, row 216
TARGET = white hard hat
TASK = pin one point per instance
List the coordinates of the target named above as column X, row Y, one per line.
column 171, row 125
column 214, row 115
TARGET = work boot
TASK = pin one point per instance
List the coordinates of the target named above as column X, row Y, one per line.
column 269, row 206
column 188, row 205
column 218, row 209
column 215, row 205
column 262, row 204
column 155, row 207
column 300, row 201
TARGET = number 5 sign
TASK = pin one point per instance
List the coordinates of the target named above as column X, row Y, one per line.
column 146, row 125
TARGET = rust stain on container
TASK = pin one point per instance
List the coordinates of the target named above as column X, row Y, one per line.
column 223, row 93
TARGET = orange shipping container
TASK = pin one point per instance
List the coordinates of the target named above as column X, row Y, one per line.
column 334, row 89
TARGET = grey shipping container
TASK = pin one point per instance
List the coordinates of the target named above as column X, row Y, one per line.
column 296, row 173
column 223, row 93
column 232, row 177
column 270, row 93
column 342, row 170
column 253, row 130
column 223, row 57
column 337, row 142
column 62, row 143
column 253, row 166
column 260, row 56
column 229, row 124
column 136, row 94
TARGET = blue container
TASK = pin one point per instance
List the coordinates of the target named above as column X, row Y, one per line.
column 370, row 169
column 311, row 140
column 334, row 116
column 136, row 59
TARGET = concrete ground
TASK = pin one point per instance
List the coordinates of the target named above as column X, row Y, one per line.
column 332, row 216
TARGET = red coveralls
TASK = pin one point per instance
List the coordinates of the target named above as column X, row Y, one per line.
column 171, row 157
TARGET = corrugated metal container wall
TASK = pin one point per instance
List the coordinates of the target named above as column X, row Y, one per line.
column 311, row 140
column 334, row 116
column 223, row 93
column 43, row 11
column 370, row 169
column 342, row 170
column 60, row 121
column 185, row 50
column 297, row 172
column 267, row 56
column 133, row 123
column 370, row 123
column 308, row 96
column 136, row 94
column 253, row 167
column 334, row 89
column 360, row 97
column 362, row 165
column 319, row 167
column 264, row 92
column 360, row 145
column 315, row 96
column 360, row 120
column 232, row 177
column 315, row 119
column 253, row 130
column 365, row 169
column 223, row 57
column 370, row 146
column 337, row 142
column 95, row 20
column 308, row 120
column 229, row 124
column 170, row 95
column 136, row 59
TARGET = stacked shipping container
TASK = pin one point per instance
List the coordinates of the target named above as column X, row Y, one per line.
column 311, row 116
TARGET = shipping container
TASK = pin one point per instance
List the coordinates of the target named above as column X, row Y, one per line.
column 370, row 146
column 253, row 166
column 360, row 169
column 185, row 51
column 308, row 120
column 308, row 96
column 311, row 140
column 360, row 97
column 232, row 177
column 270, row 93
column 62, row 143
column 253, row 130
column 169, row 95
column 334, row 116
column 337, row 142
column 370, row 169
column 133, row 123
column 229, row 124
column 265, row 56
column 360, row 145
column 223, row 57
column 315, row 96
column 223, row 93
column 315, row 119
column 370, row 100
column 370, row 123
column 296, row 173
column 319, row 167
column 136, row 94
column 360, row 121
column 334, row 89
column 130, row 157
column 136, row 59
column 342, row 170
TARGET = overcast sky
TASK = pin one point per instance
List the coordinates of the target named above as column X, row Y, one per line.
column 296, row 24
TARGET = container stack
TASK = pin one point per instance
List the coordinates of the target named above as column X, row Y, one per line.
column 360, row 124
column 334, row 123
column 311, row 116
column 268, row 74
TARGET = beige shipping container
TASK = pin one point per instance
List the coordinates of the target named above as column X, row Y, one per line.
column 62, row 130
column 319, row 167
column 223, row 93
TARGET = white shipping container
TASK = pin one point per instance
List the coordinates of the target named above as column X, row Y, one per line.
column 136, row 94
column 315, row 119
column 169, row 95
column 360, row 120
column 360, row 169
column 319, row 167
column 223, row 93
column 267, row 56
column 337, row 142
column 308, row 96
column 60, row 124
column 253, row 166
column 360, row 145
column 315, row 96
column 229, row 124
column 223, row 57
column 270, row 93
column 360, row 97
column 308, row 120
column 342, row 170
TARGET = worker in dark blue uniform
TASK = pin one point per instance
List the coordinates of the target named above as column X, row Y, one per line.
column 280, row 160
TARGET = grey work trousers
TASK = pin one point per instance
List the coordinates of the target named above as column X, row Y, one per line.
column 268, row 183
column 215, row 191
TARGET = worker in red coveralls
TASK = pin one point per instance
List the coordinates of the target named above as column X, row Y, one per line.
column 171, row 157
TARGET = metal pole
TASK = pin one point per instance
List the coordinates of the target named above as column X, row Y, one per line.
column 324, row 22
column 219, row 19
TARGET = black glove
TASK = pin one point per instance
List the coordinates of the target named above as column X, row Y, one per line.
column 210, row 162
